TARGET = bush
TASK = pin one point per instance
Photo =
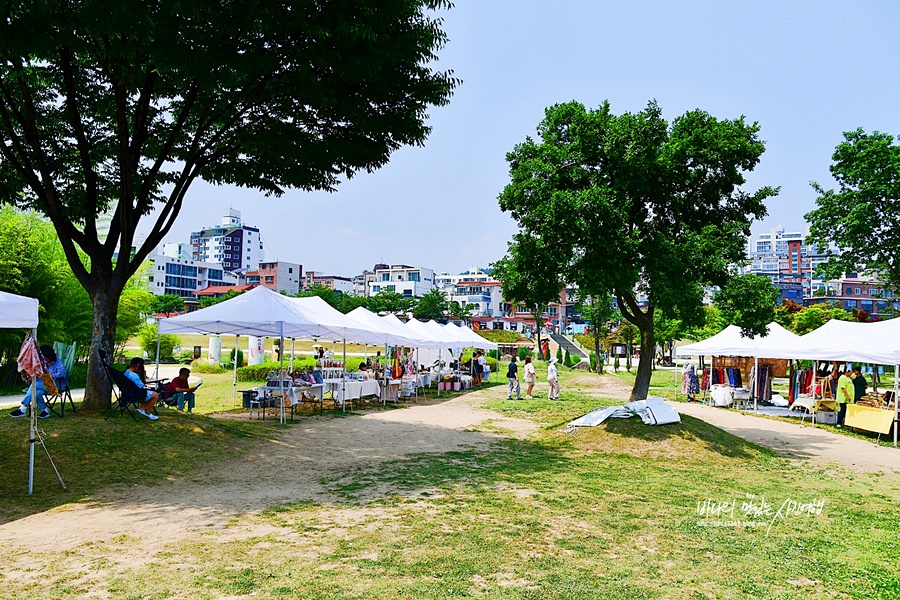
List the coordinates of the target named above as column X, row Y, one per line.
column 185, row 356
column 147, row 339
column 259, row 372
column 559, row 355
column 568, row 359
column 201, row 365
column 524, row 351
column 495, row 354
column 592, row 357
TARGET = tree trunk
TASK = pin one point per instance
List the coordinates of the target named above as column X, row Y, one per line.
column 645, row 364
column 597, row 354
column 98, row 388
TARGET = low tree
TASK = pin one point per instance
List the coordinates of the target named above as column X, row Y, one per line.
column 208, row 301
column 332, row 297
column 432, row 305
column 632, row 206
column 167, row 304
column 667, row 331
column 147, row 339
column 119, row 107
column 389, row 301
column 627, row 334
column 856, row 226
column 461, row 312
column 598, row 311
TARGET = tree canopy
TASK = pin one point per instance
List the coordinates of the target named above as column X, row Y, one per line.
column 858, row 226
column 117, row 107
column 749, row 302
column 633, row 206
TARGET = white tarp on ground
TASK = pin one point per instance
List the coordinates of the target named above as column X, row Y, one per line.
column 730, row 342
column 652, row 411
column 18, row 311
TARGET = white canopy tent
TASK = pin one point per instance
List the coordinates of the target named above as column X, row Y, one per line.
column 731, row 342
column 472, row 339
column 21, row 312
column 876, row 343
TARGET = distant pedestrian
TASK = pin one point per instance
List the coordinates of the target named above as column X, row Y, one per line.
column 553, row 380
column 845, row 393
column 512, row 374
column 530, row 377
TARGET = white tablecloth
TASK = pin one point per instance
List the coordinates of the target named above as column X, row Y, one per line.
column 291, row 392
column 352, row 390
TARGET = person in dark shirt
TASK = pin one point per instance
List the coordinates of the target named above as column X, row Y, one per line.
column 859, row 384
column 179, row 391
column 512, row 374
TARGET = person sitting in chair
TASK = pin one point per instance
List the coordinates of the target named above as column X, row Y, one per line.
column 138, row 375
column 179, row 391
column 57, row 370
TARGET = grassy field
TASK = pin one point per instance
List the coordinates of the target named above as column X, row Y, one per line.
column 612, row 512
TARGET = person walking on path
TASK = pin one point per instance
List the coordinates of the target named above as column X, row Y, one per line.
column 530, row 377
column 512, row 374
column 845, row 394
column 553, row 380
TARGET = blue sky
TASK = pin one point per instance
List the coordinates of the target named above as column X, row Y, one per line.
column 806, row 71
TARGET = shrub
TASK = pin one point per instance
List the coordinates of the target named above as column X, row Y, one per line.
column 147, row 339
column 616, row 364
column 495, row 354
column 592, row 357
column 185, row 356
column 201, row 365
column 259, row 372
column 568, row 359
column 559, row 355
column 230, row 363
column 524, row 351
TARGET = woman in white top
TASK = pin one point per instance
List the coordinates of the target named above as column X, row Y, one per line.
column 530, row 376
column 553, row 380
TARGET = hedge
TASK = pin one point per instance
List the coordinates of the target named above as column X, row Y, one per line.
column 259, row 372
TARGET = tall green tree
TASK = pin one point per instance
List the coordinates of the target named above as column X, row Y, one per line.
column 432, row 305
column 119, row 106
column 530, row 276
column 389, row 301
column 748, row 301
column 858, row 226
column 332, row 297
column 461, row 312
column 637, row 207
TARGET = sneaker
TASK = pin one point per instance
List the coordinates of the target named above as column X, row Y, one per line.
column 508, row 398
column 19, row 412
column 45, row 414
column 141, row 412
column 152, row 417
column 529, row 397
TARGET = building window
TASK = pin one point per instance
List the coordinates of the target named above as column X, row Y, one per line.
column 414, row 276
column 407, row 293
column 385, row 277
column 857, row 291
column 290, row 269
column 848, row 292
column 376, row 288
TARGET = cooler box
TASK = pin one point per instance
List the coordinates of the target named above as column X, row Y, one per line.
column 826, row 417
column 248, row 396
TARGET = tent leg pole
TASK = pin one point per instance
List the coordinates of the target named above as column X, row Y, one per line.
column 234, row 364
column 344, row 379
column 291, row 368
column 280, row 375
column 896, row 403
column 158, row 337
column 32, row 429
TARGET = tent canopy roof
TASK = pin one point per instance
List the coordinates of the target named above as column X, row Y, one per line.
column 18, row 311
column 730, row 342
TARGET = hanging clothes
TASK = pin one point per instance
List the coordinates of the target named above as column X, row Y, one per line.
column 690, row 382
column 29, row 359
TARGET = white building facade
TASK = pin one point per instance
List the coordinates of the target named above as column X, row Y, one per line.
column 408, row 281
column 231, row 244
column 183, row 276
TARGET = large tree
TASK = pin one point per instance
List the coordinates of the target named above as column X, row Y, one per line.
column 117, row 106
column 530, row 276
column 858, row 226
column 749, row 302
column 647, row 211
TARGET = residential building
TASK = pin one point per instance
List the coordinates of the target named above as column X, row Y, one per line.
column 406, row 280
column 858, row 292
column 278, row 276
column 219, row 291
column 785, row 258
column 363, row 281
column 178, row 250
column 337, row 283
column 447, row 281
column 484, row 297
column 231, row 244
column 183, row 276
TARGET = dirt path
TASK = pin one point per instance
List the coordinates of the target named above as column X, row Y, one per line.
column 288, row 468
column 800, row 442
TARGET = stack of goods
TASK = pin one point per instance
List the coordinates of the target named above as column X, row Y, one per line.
column 872, row 399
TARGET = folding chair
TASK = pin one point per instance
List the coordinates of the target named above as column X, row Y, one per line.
column 67, row 355
column 125, row 390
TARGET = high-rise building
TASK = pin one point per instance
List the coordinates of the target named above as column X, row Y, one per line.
column 231, row 244
column 786, row 259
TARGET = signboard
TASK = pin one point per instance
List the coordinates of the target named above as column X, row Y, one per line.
column 617, row 350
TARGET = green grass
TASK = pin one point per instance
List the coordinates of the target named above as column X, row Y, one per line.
column 608, row 513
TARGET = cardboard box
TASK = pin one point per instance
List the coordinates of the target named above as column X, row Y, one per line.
column 826, row 417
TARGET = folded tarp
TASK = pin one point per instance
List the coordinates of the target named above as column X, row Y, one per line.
column 652, row 411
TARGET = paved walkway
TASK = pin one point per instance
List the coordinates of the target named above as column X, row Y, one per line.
column 801, row 442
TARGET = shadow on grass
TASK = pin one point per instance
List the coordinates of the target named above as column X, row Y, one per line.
column 689, row 431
